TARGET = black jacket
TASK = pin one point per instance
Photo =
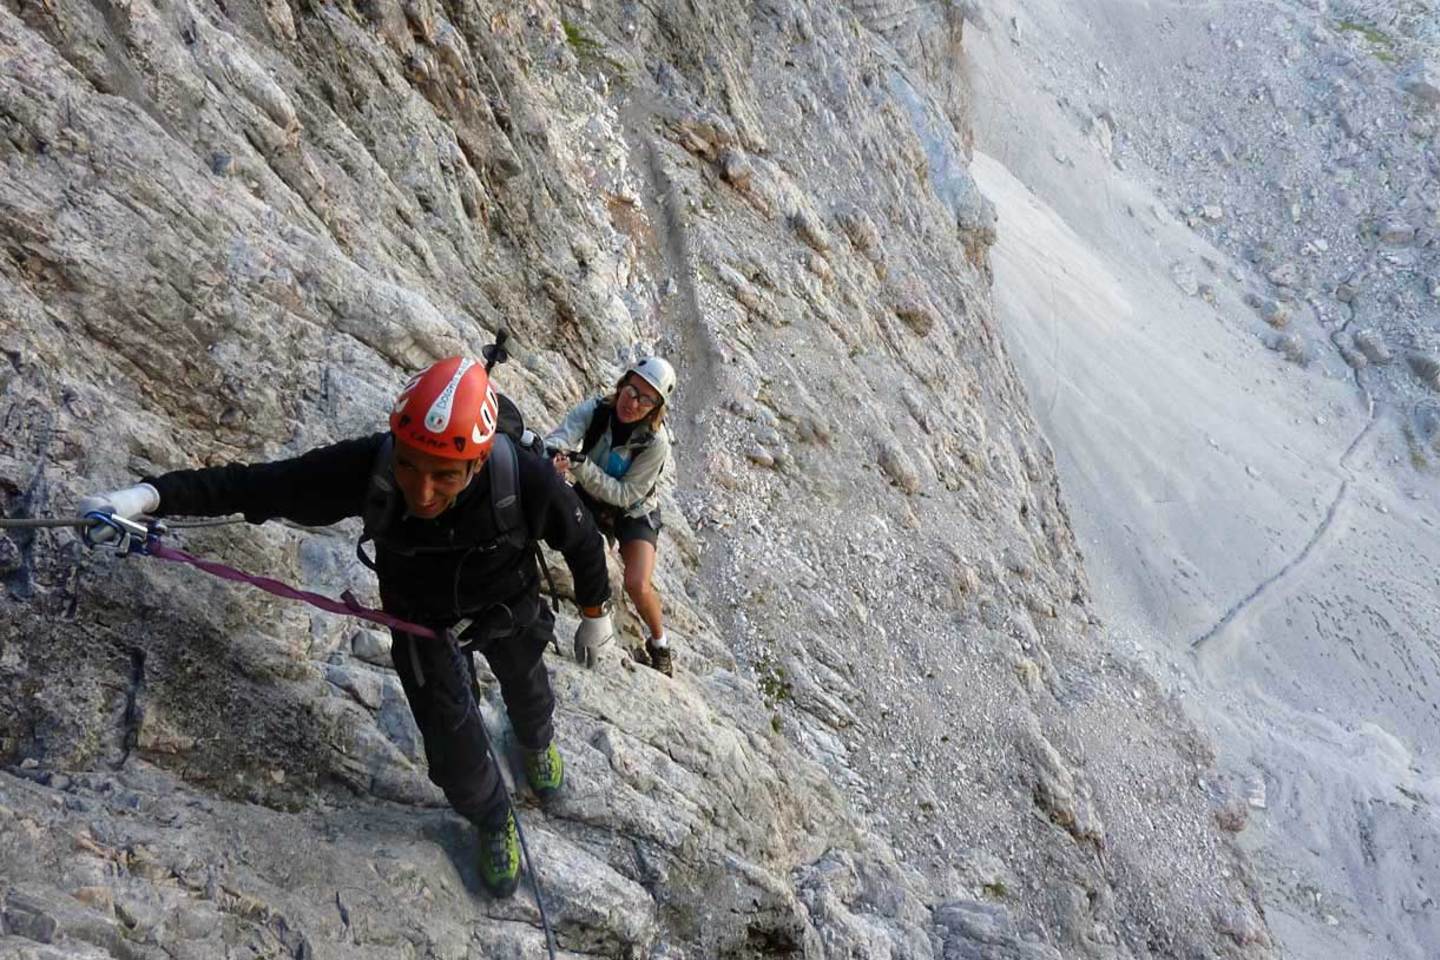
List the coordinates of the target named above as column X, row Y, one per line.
column 467, row 574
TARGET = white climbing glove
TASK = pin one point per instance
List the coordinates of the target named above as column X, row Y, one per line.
column 128, row 503
column 592, row 634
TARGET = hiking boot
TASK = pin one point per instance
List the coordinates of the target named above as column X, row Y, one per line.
column 545, row 771
column 500, row 858
column 660, row 658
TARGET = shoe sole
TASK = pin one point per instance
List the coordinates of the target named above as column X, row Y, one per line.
column 503, row 893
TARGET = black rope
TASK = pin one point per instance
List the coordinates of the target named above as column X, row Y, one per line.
column 534, row 877
column 519, row 829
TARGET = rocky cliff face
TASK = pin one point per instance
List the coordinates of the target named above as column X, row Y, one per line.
column 227, row 230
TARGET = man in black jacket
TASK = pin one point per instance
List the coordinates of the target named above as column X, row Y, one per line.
column 444, row 560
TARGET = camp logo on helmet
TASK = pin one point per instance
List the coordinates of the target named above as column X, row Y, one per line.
column 438, row 416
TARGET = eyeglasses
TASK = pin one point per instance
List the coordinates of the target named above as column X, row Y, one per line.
column 641, row 399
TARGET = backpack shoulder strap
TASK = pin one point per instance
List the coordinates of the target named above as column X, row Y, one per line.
column 599, row 421
column 505, row 492
column 505, row 499
column 379, row 499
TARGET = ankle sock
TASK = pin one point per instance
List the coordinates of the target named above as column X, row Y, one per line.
column 660, row 642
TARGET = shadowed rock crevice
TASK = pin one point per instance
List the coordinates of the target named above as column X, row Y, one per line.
column 134, row 711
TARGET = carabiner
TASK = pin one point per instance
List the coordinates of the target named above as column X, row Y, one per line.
column 132, row 535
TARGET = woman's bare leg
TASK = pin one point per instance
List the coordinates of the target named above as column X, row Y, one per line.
column 639, row 560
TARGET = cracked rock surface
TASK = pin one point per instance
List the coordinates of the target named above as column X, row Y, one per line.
column 897, row 728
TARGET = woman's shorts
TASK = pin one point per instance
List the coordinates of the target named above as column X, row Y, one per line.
column 617, row 526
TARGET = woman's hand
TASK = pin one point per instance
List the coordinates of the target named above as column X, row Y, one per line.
column 562, row 466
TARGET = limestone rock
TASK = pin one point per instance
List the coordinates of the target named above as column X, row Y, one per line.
column 917, row 315
column 898, row 466
column 1284, row 275
column 1271, row 311
column 860, row 229
column 1353, row 358
column 973, row 929
column 1057, row 792
column 1102, row 133
column 1293, row 346
column 1232, row 815
column 707, row 133
column 736, row 169
column 742, row 290
column 1426, row 368
column 1184, row 276
column 1372, row 345
column 1395, row 232
column 982, row 873
column 28, row 917
column 1243, row 925
column 810, row 229
column 10, row 557
column 1422, row 81
column 232, row 234
column 1348, row 291
column 759, row 456
column 372, row 646
column 363, row 685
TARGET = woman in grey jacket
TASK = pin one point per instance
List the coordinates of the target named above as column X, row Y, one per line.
column 614, row 450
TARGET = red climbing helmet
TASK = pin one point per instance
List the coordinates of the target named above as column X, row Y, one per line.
column 448, row 410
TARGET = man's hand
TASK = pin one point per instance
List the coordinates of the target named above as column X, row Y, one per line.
column 593, row 633
column 128, row 503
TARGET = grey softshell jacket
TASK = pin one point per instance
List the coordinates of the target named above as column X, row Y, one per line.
column 636, row 493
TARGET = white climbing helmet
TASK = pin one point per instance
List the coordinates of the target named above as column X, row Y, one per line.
column 657, row 373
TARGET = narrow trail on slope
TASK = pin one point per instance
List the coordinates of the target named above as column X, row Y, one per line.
column 1243, row 605
column 1372, row 411
column 1326, row 524
column 1199, row 645
column 699, row 358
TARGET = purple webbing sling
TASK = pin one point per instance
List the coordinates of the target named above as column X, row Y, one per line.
column 346, row 606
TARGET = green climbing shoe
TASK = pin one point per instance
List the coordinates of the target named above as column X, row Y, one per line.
column 545, row 771
column 500, row 858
